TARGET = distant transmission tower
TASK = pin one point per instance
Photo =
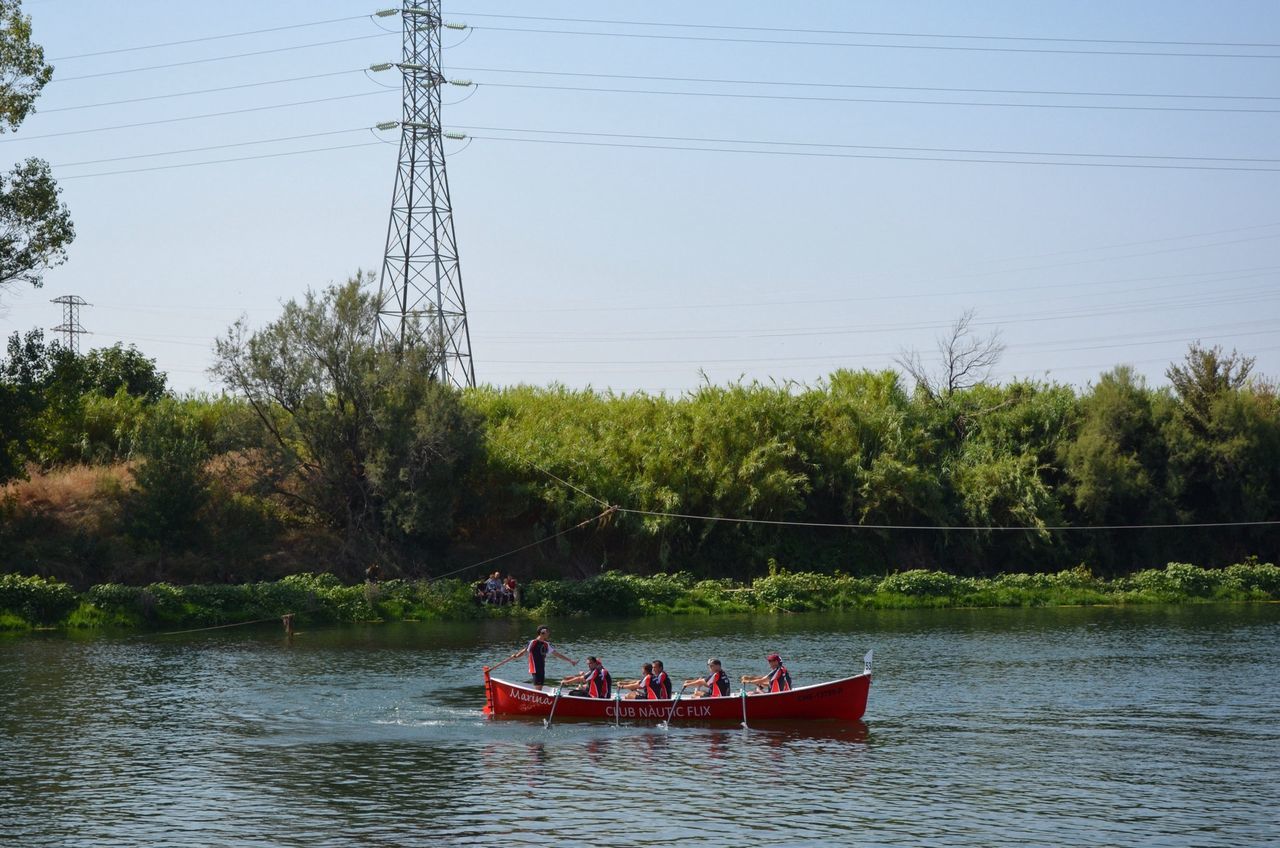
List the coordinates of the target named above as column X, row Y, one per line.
column 420, row 291
column 71, row 326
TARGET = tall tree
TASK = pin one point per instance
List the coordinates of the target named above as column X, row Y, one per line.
column 360, row 439
column 35, row 225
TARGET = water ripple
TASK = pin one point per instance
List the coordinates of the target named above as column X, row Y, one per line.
column 991, row 728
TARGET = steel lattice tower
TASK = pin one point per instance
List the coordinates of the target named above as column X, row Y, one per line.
column 420, row 291
column 71, row 325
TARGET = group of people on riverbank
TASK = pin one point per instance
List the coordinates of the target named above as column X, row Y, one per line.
column 497, row 591
column 653, row 684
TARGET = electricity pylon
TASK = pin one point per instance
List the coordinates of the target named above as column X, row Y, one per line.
column 420, row 298
column 71, row 326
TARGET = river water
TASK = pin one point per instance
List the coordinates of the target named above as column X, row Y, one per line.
column 1080, row 726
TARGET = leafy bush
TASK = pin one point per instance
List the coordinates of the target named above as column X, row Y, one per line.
column 36, row 599
column 804, row 590
column 1254, row 575
column 921, row 583
column 1177, row 579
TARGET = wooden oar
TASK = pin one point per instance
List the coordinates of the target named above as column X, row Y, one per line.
column 504, row 662
column 666, row 722
column 546, row 722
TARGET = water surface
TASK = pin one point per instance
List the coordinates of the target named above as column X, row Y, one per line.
column 1078, row 726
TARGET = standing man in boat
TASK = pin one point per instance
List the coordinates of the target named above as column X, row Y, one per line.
column 777, row 680
column 537, row 649
column 716, row 682
column 596, row 681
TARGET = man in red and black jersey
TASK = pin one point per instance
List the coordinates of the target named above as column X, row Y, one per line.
column 597, row 683
column 777, row 680
column 716, row 682
column 659, row 683
column 639, row 688
column 538, row 649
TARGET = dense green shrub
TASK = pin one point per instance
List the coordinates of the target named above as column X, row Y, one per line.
column 38, row 600
column 1177, row 579
column 1254, row 575
column 921, row 583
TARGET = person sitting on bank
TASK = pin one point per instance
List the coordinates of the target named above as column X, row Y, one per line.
column 538, row 649
column 716, row 682
column 777, row 680
column 493, row 589
column 659, row 683
column 596, row 681
column 639, row 688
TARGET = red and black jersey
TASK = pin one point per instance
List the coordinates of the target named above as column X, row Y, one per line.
column 538, row 651
column 659, row 686
column 719, row 683
column 779, row 679
column 599, row 683
column 646, row 686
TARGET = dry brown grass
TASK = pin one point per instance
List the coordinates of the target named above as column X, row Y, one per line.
column 72, row 494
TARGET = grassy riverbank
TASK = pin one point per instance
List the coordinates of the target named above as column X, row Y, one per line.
column 29, row 602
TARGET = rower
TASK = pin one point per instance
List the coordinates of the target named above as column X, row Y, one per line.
column 777, row 680
column 537, row 649
column 716, row 682
column 659, row 683
column 598, row 683
column 639, row 688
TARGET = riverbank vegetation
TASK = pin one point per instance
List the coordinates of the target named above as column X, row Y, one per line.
column 327, row 453
column 27, row 602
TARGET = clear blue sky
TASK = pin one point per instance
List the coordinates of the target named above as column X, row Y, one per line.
column 638, row 269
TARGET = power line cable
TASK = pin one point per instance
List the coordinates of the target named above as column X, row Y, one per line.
column 879, row 34
column 1220, row 276
column 222, row 161
column 209, row 147
column 771, row 142
column 198, row 91
column 1268, row 293
column 192, row 117
column 811, row 84
column 783, row 42
column 207, row 38
column 731, row 95
column 58, row 79
column 876, row 156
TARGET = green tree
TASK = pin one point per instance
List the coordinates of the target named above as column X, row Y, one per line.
column 172, row 483
column 1116, row 464
column 23, row 373
column 357, row 436
column 35, row 226
column 108, row 370
column 1205, row 375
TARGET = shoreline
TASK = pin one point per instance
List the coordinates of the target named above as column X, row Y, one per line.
column 29, row 603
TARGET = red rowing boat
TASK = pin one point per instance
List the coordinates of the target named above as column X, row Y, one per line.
column 844, row 699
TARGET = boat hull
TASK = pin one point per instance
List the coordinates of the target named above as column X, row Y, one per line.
column 839, row 699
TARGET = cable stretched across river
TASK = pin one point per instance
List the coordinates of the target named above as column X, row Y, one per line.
column 935, row 528
column 1057, row 528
